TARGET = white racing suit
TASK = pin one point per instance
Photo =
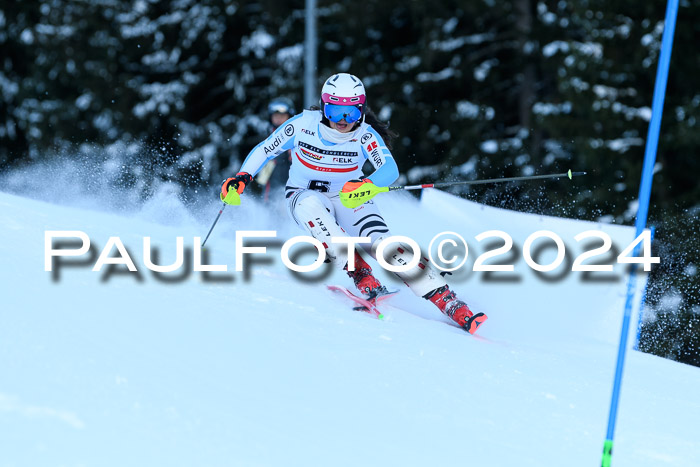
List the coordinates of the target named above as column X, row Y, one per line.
column 324, row 159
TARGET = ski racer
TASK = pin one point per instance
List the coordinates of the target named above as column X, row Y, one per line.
column 274, row 175
column 329, row 147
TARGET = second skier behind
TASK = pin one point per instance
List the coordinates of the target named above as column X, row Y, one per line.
column 273, row 176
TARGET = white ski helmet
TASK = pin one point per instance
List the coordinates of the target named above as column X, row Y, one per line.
column 281, row 105
column 343, row 89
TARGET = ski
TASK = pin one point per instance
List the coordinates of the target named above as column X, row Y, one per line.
column 370, row 306
column 363, row 304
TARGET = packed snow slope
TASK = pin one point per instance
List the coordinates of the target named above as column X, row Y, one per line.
column 116, row 368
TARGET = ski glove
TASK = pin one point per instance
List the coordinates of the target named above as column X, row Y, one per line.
column 355, row 184
column 357, row 192
column 238, row 183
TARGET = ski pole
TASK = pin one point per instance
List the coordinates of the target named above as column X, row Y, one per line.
column 354, row 199
column 223, row 206
column 569, row 174
column 234, row 198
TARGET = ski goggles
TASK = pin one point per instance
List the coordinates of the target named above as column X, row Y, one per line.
column 278, row 107
column 336, row 113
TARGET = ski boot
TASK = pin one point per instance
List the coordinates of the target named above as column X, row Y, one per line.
column 448, row 303
column 365, row 282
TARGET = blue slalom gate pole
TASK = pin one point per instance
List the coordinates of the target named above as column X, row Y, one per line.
column 642, row 304
column 643, row 211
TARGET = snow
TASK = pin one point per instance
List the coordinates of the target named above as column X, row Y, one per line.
column 407, row 63
column 418, row 172
column 116, row 368
column 589, row 49
column 690, row 270
column 489, row 147
column 450, row 25
column 83, row 101
column 481, row 72
column 622, row 145
column 547, row 108
column 160, row 97
column 466, row 109
column 257, row 43
column 8, row 88
column 289, row 58
column 27, row 37
column 441, row 75
column 452, row 44
column 553, row 47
